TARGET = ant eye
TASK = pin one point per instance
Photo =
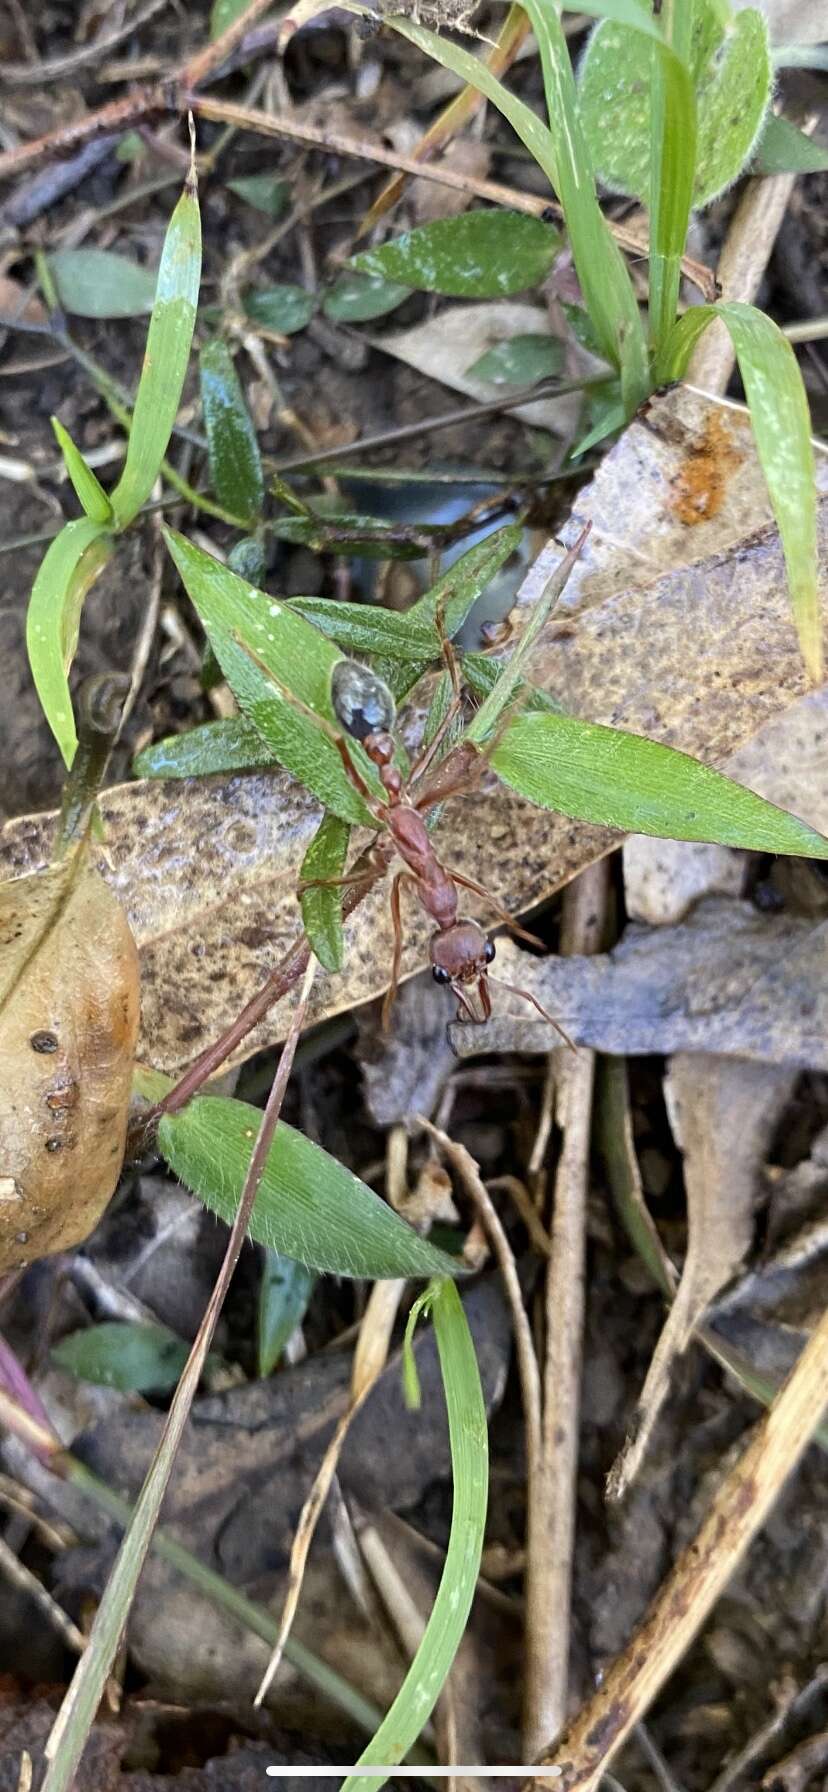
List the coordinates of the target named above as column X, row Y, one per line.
column 440, row 974
column 489, row 951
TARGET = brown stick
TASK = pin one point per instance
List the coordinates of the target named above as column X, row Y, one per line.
column 737, row 1513
column 551, row 1499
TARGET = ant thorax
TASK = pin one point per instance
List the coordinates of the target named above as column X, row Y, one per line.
column 362, row 703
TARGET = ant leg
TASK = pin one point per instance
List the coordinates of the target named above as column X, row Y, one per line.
column 502, row 914
column 514, row 990
column 421, row 765
column 401, row 878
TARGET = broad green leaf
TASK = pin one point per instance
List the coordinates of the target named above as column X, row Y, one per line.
column 443, row 1633
column 88, row 489
column 370, row 537
column 781, row 423
column 731, row 73
column 621, row 780
column 356, row 298
column 283, row 308
column 295, row 654
column 223, row 14
column 267, row 193
column 284, row 1292
column 68, row 569
column 605, row 282
column 520, row 360
column 136, row 1357
column 322, row 907
column 484, row 255
column 784, row 149
column 233, row 745
column 167, row 353
column 235, row 464
column 100, row 283
column 309, row 1207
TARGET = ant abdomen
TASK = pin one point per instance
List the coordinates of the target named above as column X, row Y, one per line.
column 361, row 702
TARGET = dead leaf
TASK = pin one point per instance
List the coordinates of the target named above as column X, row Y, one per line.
column 430, row 201
column 727, row 980
column 450, row 342
column 68, row 1027
column 702, row 655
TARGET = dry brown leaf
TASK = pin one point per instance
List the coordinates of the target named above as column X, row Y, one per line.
column 449, row 343
column 68, row 1028
column 701, row 656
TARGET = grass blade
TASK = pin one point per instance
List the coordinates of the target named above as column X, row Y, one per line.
column 621, row 780
column 781, row 422
column 169, row 340
column 285, row 1290
column 443, row 1634
column 235, row 464
column 69, row 567
column 672, row 173
column 88, row 489
column 322, row 906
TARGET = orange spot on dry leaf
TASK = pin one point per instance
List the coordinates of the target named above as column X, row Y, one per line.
column 700, row 488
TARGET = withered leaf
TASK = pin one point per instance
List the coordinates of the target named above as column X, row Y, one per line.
column 68, row 1028
column 683, row 633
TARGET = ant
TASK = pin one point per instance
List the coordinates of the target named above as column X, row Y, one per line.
column 459, row 948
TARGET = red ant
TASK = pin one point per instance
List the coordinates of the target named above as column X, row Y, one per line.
column 459, row 949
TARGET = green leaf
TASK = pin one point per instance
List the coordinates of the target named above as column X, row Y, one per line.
column 235, row 464
column 520, row 360
column 99, row 283
column 267, row 193
column 730, row 69
column 368, row 628
column 784, row 149
column 484, row 255
column 454, row 594
column 309, row 1207
column 88, row 490
column 321, row 907
column 223, row 14
column 443, row 1633
column 601, row 269
column 297, row 657
column 781, row 423
column 284, row 1292
column 233, row 745
column 283, row 308
column 167, row 353
column 621, row 780
column 136, row 1357
column 673, row 154
column 69, row 567
column 371, row 537
column 356, row 298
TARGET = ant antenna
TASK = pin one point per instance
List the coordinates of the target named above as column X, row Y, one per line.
column 514, row 990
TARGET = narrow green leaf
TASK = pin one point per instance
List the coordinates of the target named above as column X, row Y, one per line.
column 731, row 75
column 784, row 149
column 356, row 298
column 88, row 489
column 520, row 360
column 322, row 907
column 443, row 1633
column 287, row 650
column 100, row 283
column 602, row 271
column 268, row 193
column 235, row 463
column 68, row 569
column 672, row 155
column 233, row 745
column 136, row 1357
column 510, row 675
column 368, row 628
column 284, row 1292
column 484, row 255
column 370, row 537
column 621, row 780
column 782, row 430
column 167, row 353
column 284, row 308
column 309, row 1207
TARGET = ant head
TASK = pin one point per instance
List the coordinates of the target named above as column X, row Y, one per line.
column 460, row 954
column 361, row 702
